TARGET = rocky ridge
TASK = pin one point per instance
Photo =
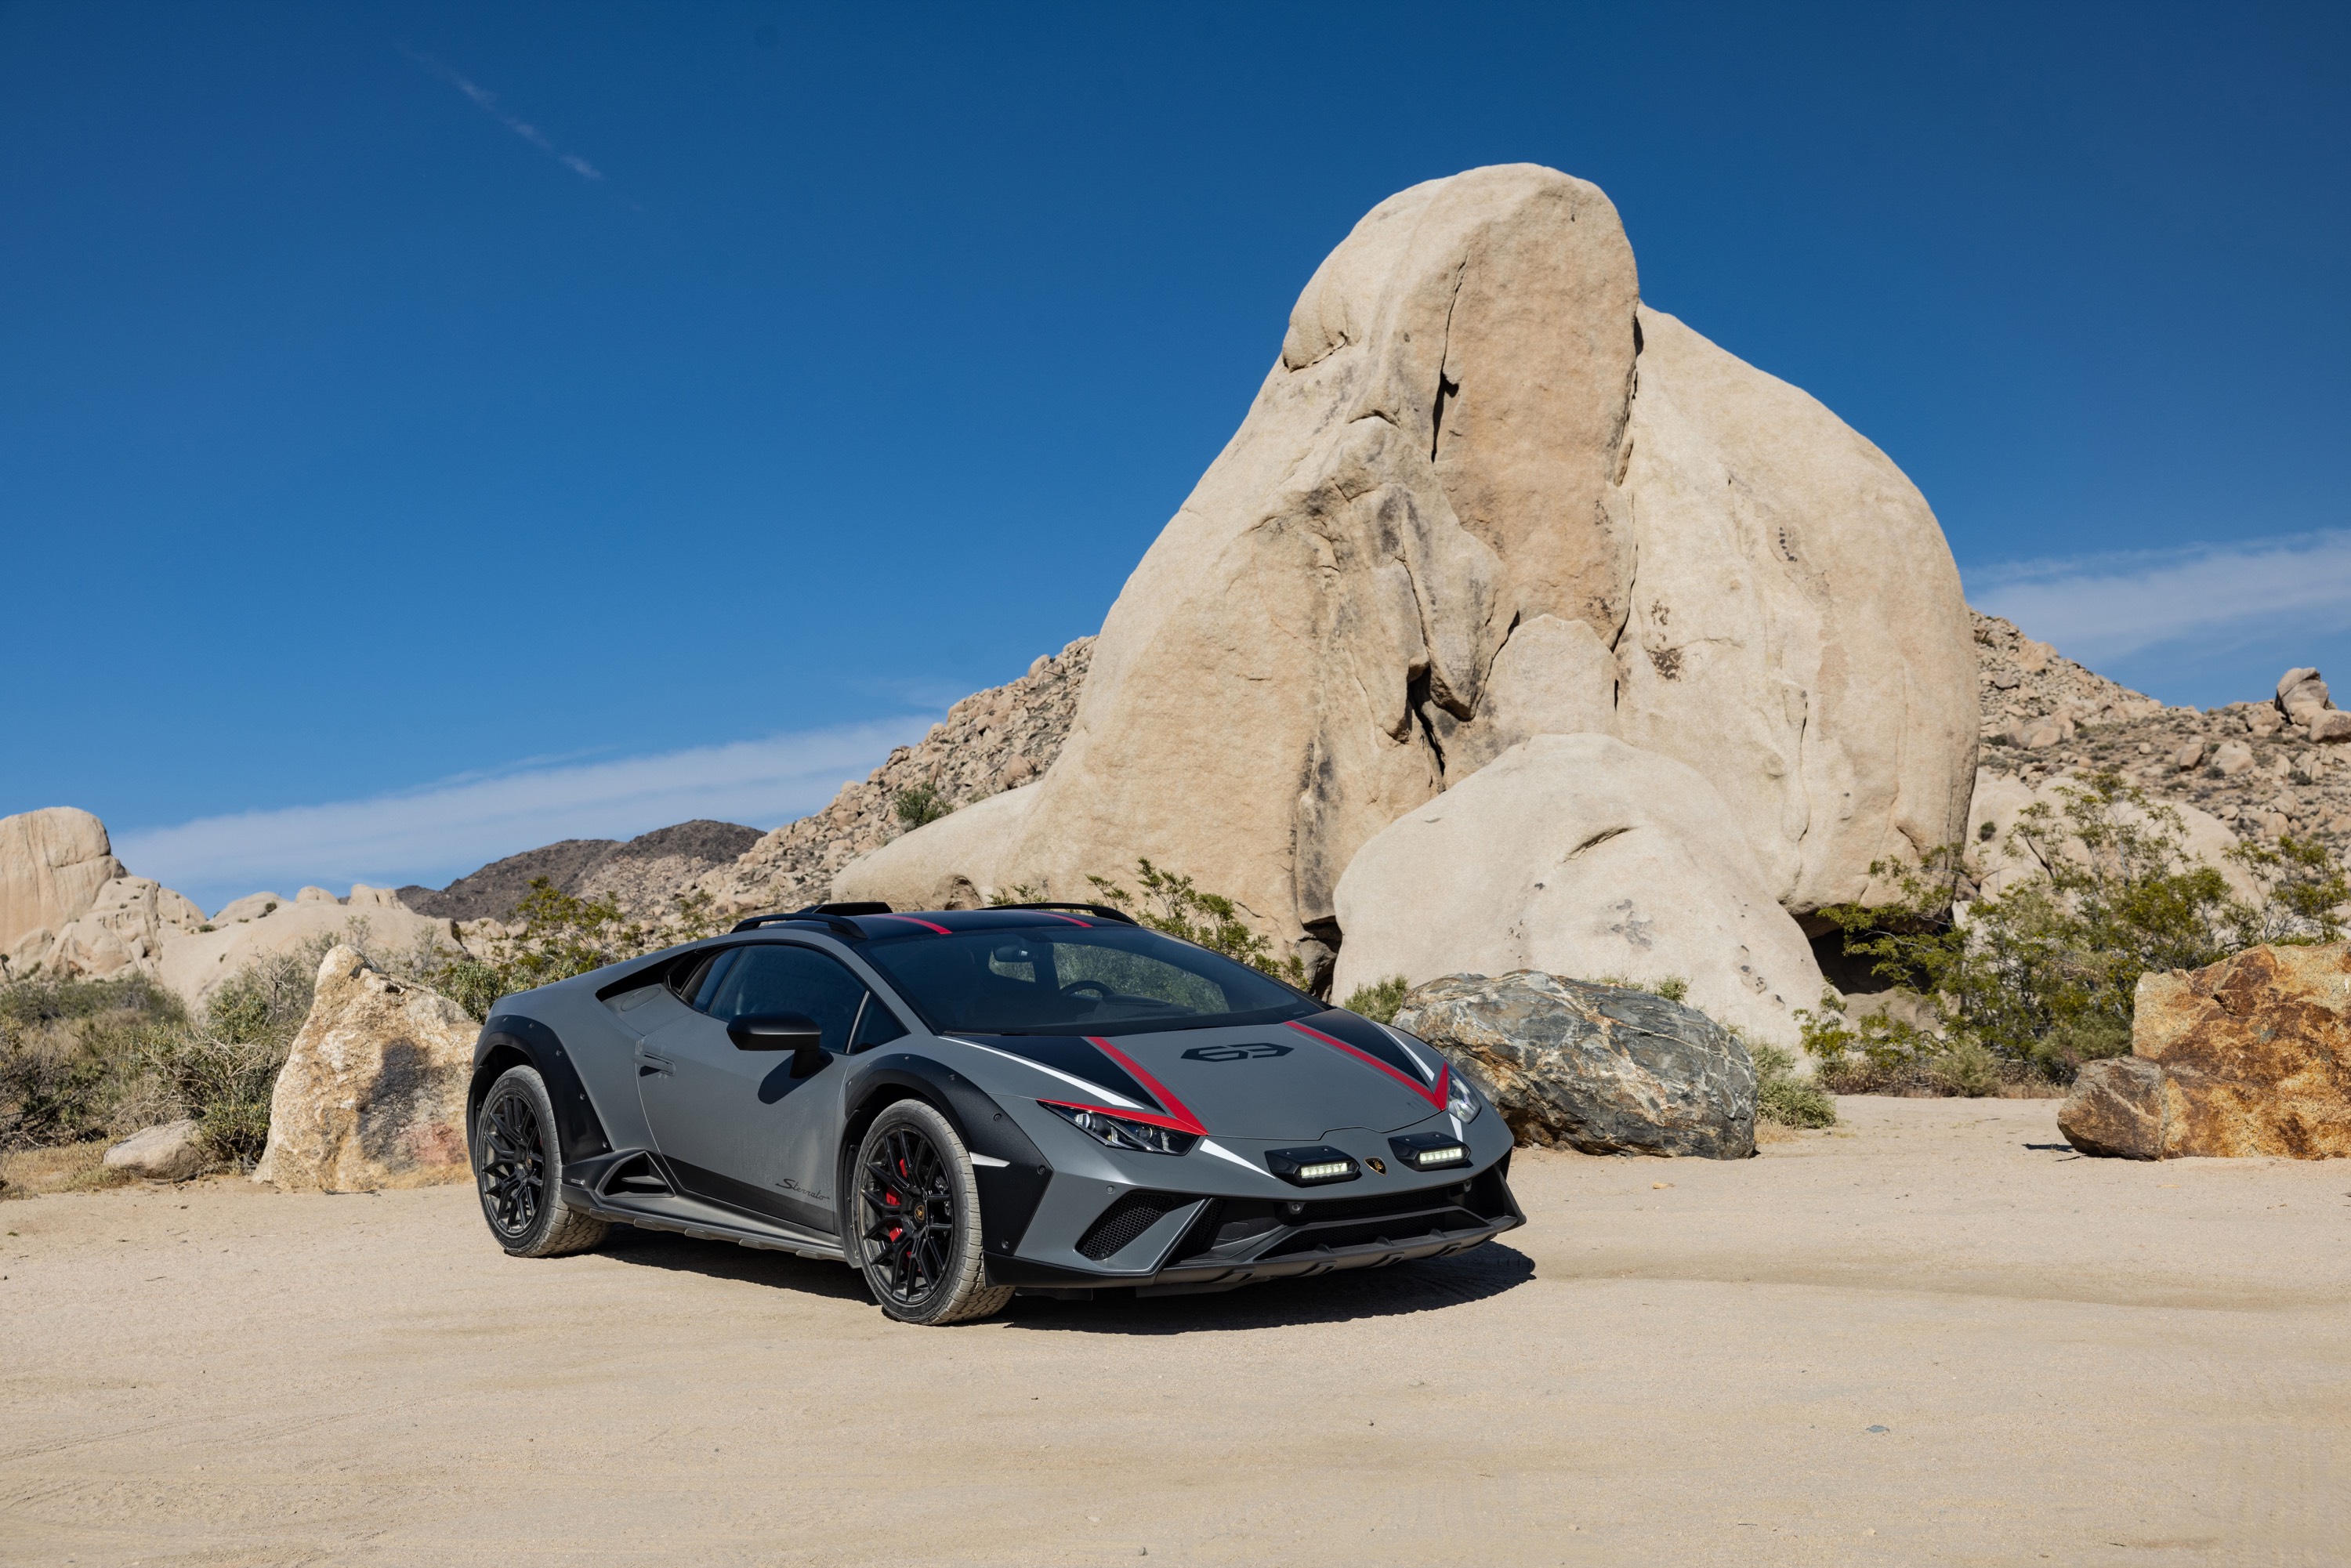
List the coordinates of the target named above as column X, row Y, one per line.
column 641, row 874
column 991, row 741
column 2257, row 767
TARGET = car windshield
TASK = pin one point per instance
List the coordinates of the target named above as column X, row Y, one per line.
column 1114, row 979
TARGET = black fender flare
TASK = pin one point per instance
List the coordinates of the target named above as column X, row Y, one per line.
column 1009, row 1193
column 510, row 1036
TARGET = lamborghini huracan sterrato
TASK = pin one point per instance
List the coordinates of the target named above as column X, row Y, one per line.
column 964, row 1104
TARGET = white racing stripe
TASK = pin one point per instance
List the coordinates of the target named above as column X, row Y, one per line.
column 1426, row 1070
column 1095, row 1090
column 1210, row 1145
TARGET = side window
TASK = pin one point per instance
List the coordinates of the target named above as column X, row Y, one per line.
column 711, row 976
column 879, row 1026
column 774, row 979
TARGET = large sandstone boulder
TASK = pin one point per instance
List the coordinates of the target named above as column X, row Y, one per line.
column 1448, row 524
column 264, row 924
column 52, row 864
column 1596, row 1068
column 1797, row 631
column 373, row 1093
column 2248, row 1056
column 1578, row 855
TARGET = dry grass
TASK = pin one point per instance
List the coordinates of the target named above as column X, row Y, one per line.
column 68, row 1167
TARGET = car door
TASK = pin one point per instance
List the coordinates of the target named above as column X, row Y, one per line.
column 747, row 1128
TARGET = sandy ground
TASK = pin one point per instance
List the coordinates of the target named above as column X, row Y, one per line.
column 1927, row 1336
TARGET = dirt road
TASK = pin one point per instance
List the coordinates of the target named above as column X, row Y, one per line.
column 1926, row 1337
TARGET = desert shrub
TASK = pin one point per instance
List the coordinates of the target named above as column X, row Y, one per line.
column 2033, row 981
column 917, row 804
column 1673, row 988
column 69, row 1050
column 1782, row 1097
column 1169, row 903
column 1379, row 1000
column 563, row 935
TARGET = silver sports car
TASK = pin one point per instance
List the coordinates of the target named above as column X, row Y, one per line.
column 964, row 1104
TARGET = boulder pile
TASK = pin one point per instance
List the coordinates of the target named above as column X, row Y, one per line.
column 1603, row 1069
column 1485, row 494
column 2248, row 1056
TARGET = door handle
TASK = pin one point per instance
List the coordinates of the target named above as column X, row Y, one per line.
column 650, row 1064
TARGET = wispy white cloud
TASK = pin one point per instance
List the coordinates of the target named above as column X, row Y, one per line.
column 443, row 830
column 486, row 101
column 2106, row 607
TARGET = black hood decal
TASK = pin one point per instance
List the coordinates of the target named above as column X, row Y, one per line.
column 1078, row 1057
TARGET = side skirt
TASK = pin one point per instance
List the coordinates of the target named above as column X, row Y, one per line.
column 692, row 1217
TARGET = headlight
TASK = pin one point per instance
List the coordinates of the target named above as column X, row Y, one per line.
column 1461, row 1098
column 1123, row 1132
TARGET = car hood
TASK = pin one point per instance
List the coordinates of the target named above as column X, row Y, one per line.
column 1296, row 1080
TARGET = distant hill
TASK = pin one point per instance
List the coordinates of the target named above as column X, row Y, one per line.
column 641, row 874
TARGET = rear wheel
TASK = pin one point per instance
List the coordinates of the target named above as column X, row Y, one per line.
column 518, row 1170
column 915, row 1233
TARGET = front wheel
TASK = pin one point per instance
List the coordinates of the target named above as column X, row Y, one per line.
column 518, row 1169
column 915, row 1232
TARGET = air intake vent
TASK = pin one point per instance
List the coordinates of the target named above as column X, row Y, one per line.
column 636, row 1177
column 1124, row 1220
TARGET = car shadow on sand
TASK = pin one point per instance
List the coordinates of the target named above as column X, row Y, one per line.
column 1429, row 1285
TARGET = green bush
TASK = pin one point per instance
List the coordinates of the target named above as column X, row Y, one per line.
column 918, row 804
column 1782, row 1097
column 1379, row 1000
column 1170, row 904
column 69, row 1054
column 2032, row 982
column 563, row 935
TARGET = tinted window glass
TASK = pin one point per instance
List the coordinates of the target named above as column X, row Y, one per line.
column 713, row 975
column 879, row 1026
column 1078, row 980
column 779, row 980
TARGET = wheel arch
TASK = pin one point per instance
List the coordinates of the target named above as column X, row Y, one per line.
column 510, row 1040
column 1010, row 1186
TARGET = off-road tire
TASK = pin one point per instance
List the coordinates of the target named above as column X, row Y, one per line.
column 518, row 1171
column 930, row 1278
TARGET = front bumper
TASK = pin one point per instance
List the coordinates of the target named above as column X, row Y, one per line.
column 1164, row 1243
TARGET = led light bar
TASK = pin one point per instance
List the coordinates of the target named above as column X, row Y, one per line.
column 1430, row 1151
column 1313, row 1167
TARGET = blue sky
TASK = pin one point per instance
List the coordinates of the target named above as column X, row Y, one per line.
column 426, row 431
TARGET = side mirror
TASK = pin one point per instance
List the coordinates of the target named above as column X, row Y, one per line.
column 795, row 1032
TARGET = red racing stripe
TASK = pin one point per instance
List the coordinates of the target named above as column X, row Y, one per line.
column 1435, row 1096
column 924, row 924
column 1184, row 1120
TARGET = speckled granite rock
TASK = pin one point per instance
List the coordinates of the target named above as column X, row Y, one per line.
column 1597, row 1068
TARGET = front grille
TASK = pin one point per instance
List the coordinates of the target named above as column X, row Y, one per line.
column 1400, row 1229
column 1124, row 1220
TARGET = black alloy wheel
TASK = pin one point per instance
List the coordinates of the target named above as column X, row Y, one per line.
column 518, row 1170
column 914, row 1230
column 514, row 1163
column 910, row 1215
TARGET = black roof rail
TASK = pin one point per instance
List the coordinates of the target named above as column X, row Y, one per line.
column 833, row 918
column 1104, row 910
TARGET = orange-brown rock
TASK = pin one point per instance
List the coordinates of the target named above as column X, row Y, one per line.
column 2248, row 1056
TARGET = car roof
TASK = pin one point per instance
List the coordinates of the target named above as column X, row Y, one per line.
column 874, row 924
